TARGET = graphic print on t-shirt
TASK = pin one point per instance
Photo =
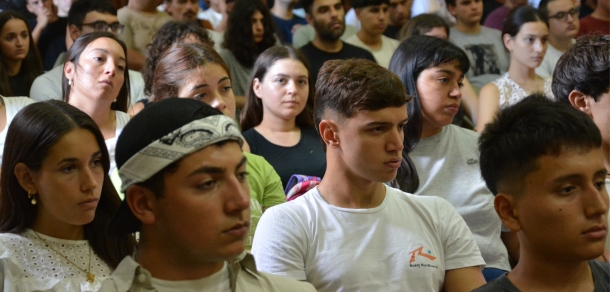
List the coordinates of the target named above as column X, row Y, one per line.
column 485, row 59
column 420, row 258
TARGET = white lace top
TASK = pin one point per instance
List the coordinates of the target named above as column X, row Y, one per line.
column 511, row 92
column 28, row 265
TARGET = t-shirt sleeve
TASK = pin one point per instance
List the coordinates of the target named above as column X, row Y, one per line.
column 274, row 192
column 460, row 248
column 279, row 245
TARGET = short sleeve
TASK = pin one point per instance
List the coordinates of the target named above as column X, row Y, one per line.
column 461, row 250
column 279, row 245
column 303, row 35
column 274, row 193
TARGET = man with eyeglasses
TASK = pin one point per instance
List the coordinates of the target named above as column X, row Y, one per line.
column 85, row 16
column 597, row 22
column 562, row 18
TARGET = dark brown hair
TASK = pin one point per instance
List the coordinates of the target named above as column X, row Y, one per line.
column 73, row 55
column 32, row 133
column 422, row 24
column 252, row 113
column 168, row 34
column 31, row 64
column 175, row 67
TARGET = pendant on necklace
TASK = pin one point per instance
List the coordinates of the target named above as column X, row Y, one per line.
column 90, row 277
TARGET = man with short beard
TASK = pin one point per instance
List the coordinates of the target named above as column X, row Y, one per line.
column 181, row 10
column 328, row 19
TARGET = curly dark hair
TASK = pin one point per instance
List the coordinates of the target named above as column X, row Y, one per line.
column 167, row 35
column 238, row 37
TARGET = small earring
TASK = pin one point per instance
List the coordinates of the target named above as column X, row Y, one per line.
column 70, row 82
column 31, row 196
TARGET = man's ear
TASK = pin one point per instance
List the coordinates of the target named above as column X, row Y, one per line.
column 580, row 101
column 357, row 11
column 451, row 9
column 309, row 18
column 506, row 207
column 143, row 203
column 74, row 32
column 328, row 132
column 25, row 177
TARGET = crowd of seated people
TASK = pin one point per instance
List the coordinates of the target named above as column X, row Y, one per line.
column 304, row 145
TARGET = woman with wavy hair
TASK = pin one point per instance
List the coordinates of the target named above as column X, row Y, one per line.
column 56, row 201
column 250, row 31
column 20, row 63
column 96, row 81
column 441, row 159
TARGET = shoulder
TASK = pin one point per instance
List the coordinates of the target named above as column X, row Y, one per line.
column 490, row 31
column 356, row 52
column 250, row 135
column 18, row 102
column 280, row 283
column 124, row 12
column 463, row 134
column 433, row 204
column 500, row 284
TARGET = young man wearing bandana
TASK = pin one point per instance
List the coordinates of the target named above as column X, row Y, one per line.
column 184, row 178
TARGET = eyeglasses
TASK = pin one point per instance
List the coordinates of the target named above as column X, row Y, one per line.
column 563, row 15
column 103, row 26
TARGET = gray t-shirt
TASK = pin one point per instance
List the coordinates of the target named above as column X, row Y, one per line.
column 240, row 75
column 600, row 271
column 488, row 58
column 448, row 166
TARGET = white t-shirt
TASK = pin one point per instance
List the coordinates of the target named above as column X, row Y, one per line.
column 383, row 54
column 28, row 265
column 212, row 16
column 438, row 160
column 12, row 106
column 217, row 282
column 404, row 244
column 121, row 120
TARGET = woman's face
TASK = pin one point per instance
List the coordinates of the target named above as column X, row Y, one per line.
column 439, row 93
column 529, row 45
column 14, row 40
column 211, row 84
column 439, row 32
column 284, row 89
column 258, row 29
column 99, row 73
column 69, row 182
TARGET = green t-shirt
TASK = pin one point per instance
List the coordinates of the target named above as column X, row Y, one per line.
column 265, row 190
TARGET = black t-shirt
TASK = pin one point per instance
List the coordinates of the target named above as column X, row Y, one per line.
column 18, row 85
column 600, row 271
column 306, row 157
column 392, row 31
column 317, row 57
column 52, row 41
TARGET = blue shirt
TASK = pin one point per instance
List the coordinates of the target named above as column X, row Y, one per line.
column 284, row 28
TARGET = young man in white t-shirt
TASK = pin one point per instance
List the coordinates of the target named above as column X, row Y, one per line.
column 184, row 176
column 374, row 17
column 353, row 232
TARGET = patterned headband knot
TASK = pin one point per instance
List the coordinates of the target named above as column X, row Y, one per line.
column 174, row 146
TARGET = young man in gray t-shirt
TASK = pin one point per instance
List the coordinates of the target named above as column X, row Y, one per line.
column 483, row 45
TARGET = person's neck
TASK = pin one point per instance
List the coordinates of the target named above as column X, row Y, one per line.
column 599, row 13
column 561, row 44
column 343, row 189
column 275, row 124
column 282, row 11
column 520, row 73
column 429, row 130
column 142, row 6
column 468, row 28
column 328, row 46
column 163, row 263
column 371, row 40
column 99, row 112
column 49, row 227
column 13, row 66
column 550, row 274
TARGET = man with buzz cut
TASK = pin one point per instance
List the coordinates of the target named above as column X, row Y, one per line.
column 183, row 174
column 328, row 20
column 543, row 162
column 483, row 45
column 353, row 232
column 85, row 16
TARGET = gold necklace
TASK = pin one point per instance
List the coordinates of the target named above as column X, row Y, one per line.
column 90, row 276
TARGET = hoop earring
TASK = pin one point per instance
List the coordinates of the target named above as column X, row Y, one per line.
column 31, row 196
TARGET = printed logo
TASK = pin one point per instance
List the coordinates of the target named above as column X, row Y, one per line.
column 472, row 161
column 419, row 252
